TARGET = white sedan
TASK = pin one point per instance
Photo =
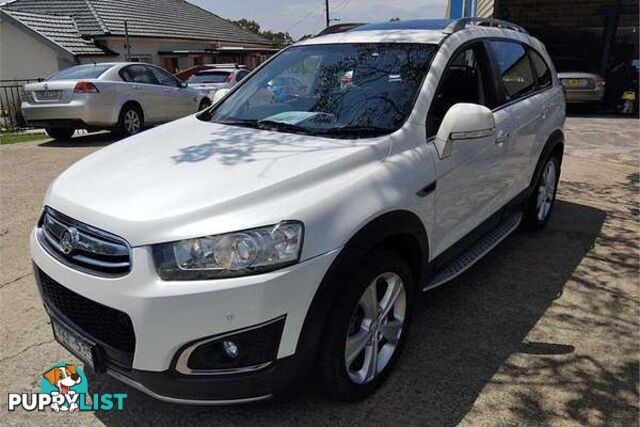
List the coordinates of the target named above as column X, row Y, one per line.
column 123, row 97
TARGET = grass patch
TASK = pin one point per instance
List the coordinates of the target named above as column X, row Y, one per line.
column 15, row 137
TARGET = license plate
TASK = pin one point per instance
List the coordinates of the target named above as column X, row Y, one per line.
column 48, row 95
column 575, row 82
column 74, row 343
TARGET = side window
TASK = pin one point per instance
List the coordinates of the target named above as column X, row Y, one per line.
column 541, row 70
column 514, row 68
column 466, row 79
column 163, row 77
column 242, row 75
column 138, row 74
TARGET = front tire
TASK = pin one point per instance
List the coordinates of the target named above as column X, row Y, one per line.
column 131, row 121
column 367, row 328
column 543, row 198
column 60, row 133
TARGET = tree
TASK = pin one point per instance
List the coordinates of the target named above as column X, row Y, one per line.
column 394, row 19
column 278, row 39
column 250, row 25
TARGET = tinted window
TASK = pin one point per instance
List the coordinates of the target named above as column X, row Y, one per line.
column 465, row 80
column 81, row 72
column 163, row 77
column 541, row 69
column 242, row 75
column 209, row 77
column 514, row 68
column 138, row 74
column 337, row 90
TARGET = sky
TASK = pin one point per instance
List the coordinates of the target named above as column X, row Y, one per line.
column 300, row 17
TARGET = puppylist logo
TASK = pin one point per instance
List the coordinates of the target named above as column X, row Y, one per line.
column 64, row 388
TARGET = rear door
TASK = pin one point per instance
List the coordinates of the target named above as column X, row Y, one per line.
column 471, row 181
column 519, row 115
column 147, row 91
column 179, row 101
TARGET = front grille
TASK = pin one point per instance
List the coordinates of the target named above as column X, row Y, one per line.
column 103, row 324
column 83, row 247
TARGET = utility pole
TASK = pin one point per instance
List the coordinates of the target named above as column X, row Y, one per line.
column 126, row 35
column 326, row 7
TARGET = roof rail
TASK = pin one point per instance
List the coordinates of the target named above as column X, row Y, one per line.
column 461, row 24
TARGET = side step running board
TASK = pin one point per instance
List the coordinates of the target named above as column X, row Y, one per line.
column 479, row 249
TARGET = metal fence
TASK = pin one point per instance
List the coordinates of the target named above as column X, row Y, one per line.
column 11, row 92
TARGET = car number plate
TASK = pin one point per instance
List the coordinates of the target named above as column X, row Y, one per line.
column 47, row 95
column 74, row 343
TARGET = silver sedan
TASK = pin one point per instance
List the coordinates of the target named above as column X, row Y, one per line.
column 123, row 97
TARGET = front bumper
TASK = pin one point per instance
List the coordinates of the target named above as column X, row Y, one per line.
column 168, row 315
column 76, row 113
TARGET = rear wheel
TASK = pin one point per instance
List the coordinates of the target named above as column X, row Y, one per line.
column 60, row 132
column 131, row 121
column 543, row 198
column 367, row 328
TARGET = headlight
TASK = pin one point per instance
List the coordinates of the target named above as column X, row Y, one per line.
column 233, row 254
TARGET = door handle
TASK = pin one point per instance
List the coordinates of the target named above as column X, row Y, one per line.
column 543, row 115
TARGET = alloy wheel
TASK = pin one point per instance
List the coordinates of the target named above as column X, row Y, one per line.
column 132, row 122
column 546, row 190
column 375, row 328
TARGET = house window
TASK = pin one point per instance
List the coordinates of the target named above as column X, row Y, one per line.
column 197, row 60
column 141, row 58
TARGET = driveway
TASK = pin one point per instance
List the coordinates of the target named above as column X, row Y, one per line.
column 545, row 331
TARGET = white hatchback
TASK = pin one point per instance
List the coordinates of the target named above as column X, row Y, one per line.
column 287, row 230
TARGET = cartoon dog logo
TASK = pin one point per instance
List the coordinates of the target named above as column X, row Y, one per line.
column 63, row 378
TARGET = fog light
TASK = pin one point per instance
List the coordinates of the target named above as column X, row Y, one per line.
column 230, row 349
column 223, row 355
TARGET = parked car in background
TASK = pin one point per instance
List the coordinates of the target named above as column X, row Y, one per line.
column 583, row 87
column 185, row 74
column 210, row 80
column 123, row 97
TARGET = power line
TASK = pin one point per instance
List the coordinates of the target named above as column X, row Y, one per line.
column 304, row 18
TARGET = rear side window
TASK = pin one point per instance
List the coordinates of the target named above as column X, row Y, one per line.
column 210, row 77
column 81, row 72
column 514, row 68
column 541, row 70
column 242, row 75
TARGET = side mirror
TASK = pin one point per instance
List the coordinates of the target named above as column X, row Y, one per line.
column 184, row 85
column 220, row 93
column 464, row 122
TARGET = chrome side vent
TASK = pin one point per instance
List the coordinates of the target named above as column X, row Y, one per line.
column 83, row 247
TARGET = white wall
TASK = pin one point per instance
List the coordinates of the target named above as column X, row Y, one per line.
column 23, row 56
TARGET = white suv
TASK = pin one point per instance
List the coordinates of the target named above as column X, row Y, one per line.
column 227, row 256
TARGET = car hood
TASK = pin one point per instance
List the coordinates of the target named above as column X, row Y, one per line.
column 149, row 188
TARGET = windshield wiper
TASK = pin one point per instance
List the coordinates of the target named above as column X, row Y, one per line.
column 239, row 122
column 287, row 127
column 356, row 131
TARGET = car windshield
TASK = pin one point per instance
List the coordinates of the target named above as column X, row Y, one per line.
column 336, row 90
column 210, row 77
column 81, row 72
